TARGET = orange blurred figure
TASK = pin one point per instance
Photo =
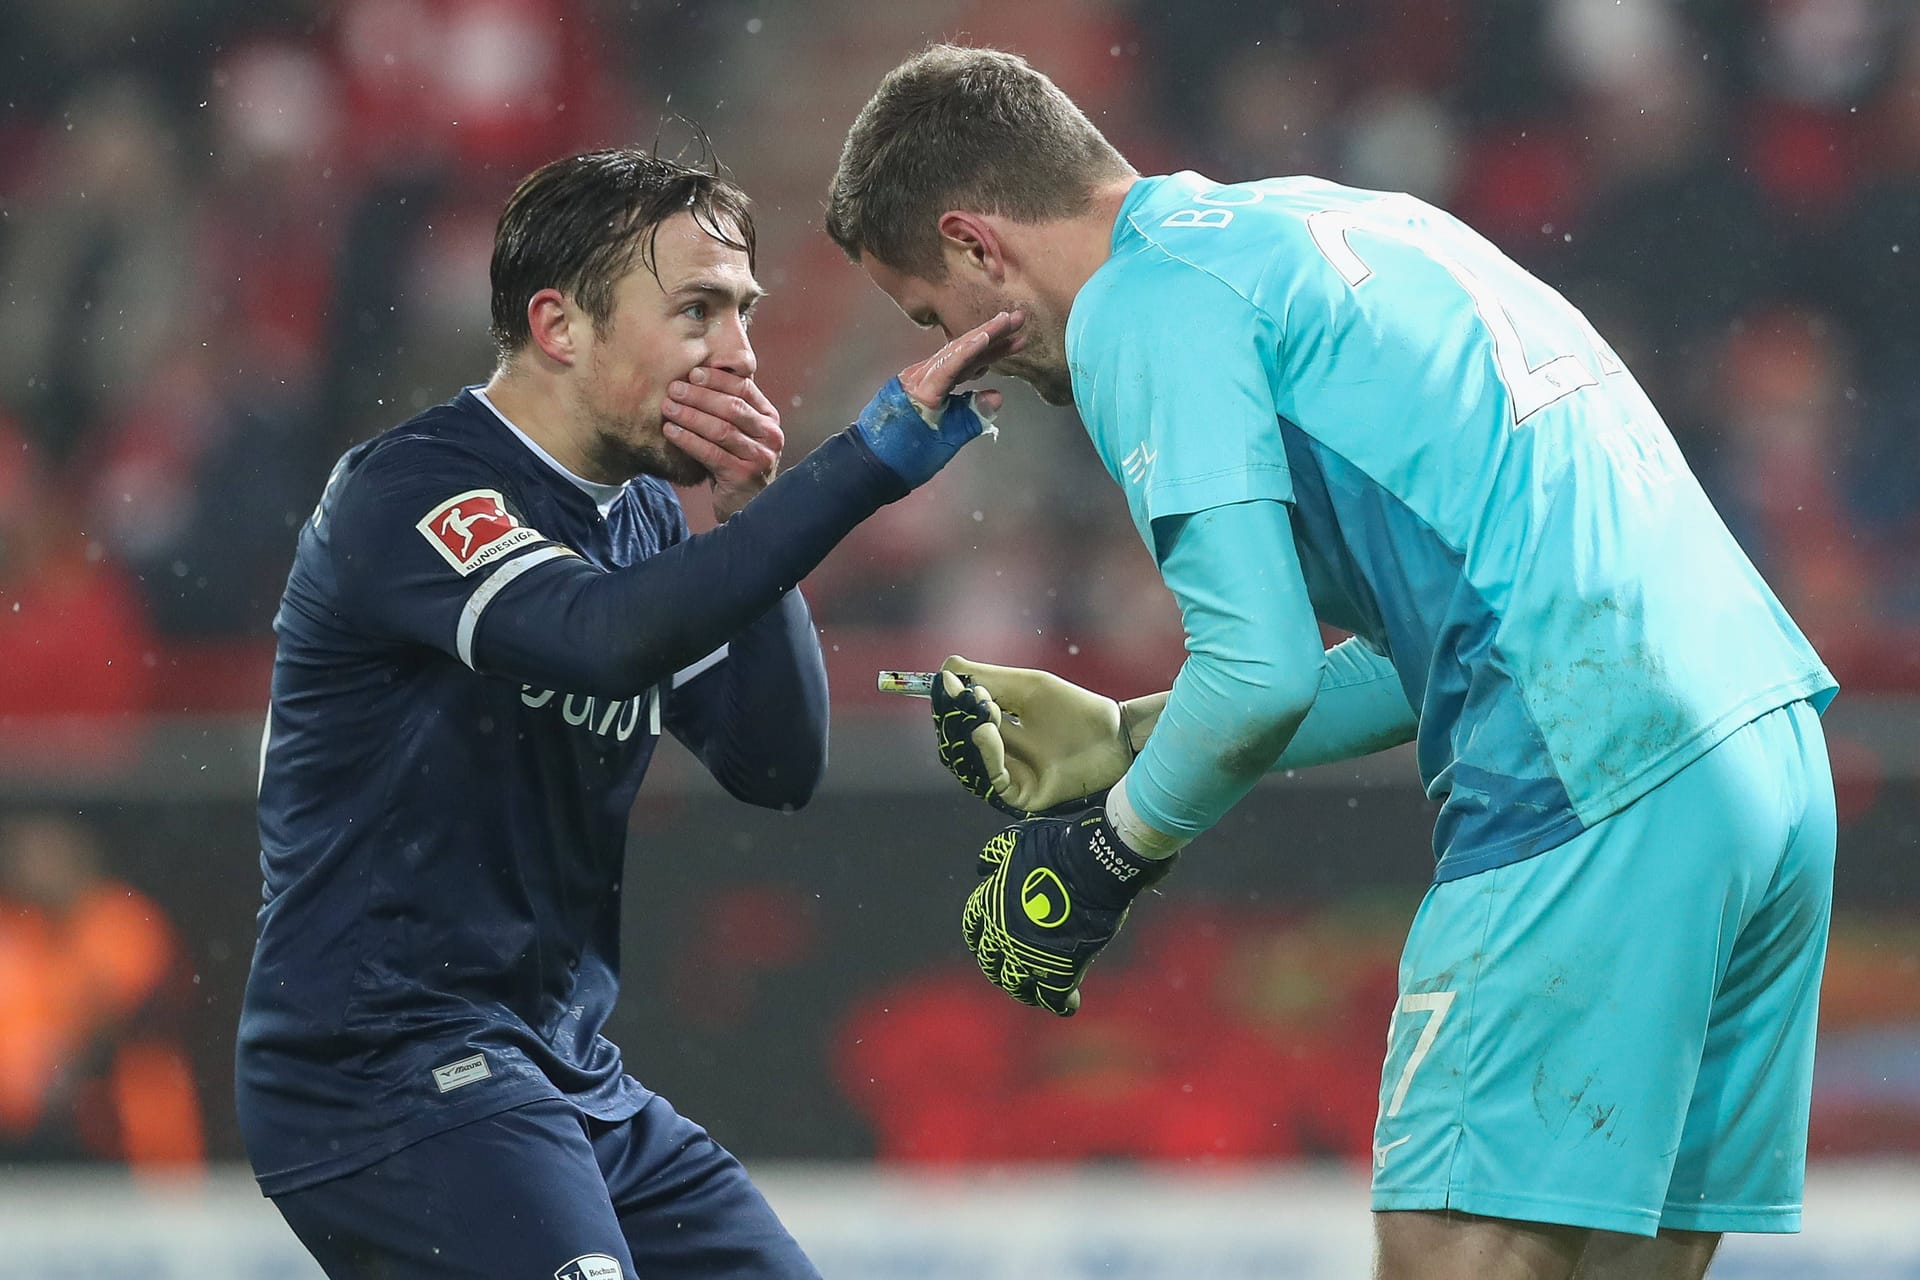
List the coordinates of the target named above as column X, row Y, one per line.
column 91, row 1064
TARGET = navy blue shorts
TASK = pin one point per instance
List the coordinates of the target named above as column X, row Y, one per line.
column 541, row 1191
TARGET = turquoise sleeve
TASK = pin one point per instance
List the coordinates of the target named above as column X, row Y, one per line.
column 1253, row 665
column 1361, row 708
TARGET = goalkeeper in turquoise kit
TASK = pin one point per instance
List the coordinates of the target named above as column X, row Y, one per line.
column 1342, row 406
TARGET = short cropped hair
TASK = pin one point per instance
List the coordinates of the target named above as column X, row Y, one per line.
column 579, row 224
column 955, row 127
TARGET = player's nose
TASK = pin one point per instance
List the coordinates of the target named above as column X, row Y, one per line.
column 733, row 350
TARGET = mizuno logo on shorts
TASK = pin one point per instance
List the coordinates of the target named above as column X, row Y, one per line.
column 464, row 1072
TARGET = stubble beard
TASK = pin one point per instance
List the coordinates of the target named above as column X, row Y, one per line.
column 617, row 452
column 673, row 465
column 1043, row 365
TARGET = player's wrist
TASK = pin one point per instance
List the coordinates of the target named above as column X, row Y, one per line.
column 896, row 428
column 1139, row 836
column 1108, row 875
column 1137, row 718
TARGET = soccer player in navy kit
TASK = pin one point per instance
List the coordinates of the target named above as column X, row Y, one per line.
column 493, row 613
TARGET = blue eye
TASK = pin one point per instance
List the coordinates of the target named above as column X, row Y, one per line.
column 695, row 310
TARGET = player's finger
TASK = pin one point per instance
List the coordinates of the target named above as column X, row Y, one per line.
column 1013, row 977
column 981, row 703
column 961, row 691
column 1013, row 981
column 967, row 356
column 734, row 385
column 718, row 461
column 967, row 698
column 972, row 924
column 1062, row 1002
column 999, row 683
column 963, row 668
column 726, row 439
column 690, row 404
column 993, row 754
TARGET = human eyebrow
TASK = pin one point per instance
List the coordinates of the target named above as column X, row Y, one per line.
column 744, row 298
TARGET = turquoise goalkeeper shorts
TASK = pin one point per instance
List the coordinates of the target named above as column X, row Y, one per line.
column 1619, row 1033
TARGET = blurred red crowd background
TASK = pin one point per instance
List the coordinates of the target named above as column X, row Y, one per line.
column 237, row 236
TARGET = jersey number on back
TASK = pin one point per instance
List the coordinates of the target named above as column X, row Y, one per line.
column 1530, row 388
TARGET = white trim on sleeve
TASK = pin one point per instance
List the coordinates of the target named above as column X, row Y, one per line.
column 483, row 594
column 701, row 667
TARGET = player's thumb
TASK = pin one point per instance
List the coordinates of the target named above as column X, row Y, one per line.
column 1012, row 688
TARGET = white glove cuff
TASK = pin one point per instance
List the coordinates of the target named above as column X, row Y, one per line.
column 1134, row 831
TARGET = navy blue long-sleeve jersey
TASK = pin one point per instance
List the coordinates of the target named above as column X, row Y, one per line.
column 477, row 653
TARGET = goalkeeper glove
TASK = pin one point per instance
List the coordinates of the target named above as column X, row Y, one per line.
column 1028, row 742
column 1052, row 893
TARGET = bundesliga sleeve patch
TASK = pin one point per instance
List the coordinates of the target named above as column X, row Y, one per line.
column 474, row 529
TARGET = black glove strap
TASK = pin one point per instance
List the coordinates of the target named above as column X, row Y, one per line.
column 1111, row 875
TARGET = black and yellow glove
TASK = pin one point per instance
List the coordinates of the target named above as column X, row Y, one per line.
column 966, row 725
column 1052, row 893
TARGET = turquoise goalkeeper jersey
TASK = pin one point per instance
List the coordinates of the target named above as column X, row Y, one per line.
column 1477, row 487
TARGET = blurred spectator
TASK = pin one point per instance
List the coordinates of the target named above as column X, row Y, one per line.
column 1660, row 179
column 201, row 482
column 95, row 261
column 199, row 473
column 73, row 639
column 1869, row 276
column 1785, row 470
column 92, row 997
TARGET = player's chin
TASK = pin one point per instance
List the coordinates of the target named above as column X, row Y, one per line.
column 677, row 466
column 1053, row 386
column 669, row 463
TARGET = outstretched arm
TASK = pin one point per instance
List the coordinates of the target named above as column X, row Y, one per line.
column 544, row 616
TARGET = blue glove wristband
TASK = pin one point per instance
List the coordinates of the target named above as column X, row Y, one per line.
column 892, row 427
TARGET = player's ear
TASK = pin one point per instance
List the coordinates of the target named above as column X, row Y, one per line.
column 553, row 325
column 970, row 244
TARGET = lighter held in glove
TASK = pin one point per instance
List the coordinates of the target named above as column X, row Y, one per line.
column 919, row 684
